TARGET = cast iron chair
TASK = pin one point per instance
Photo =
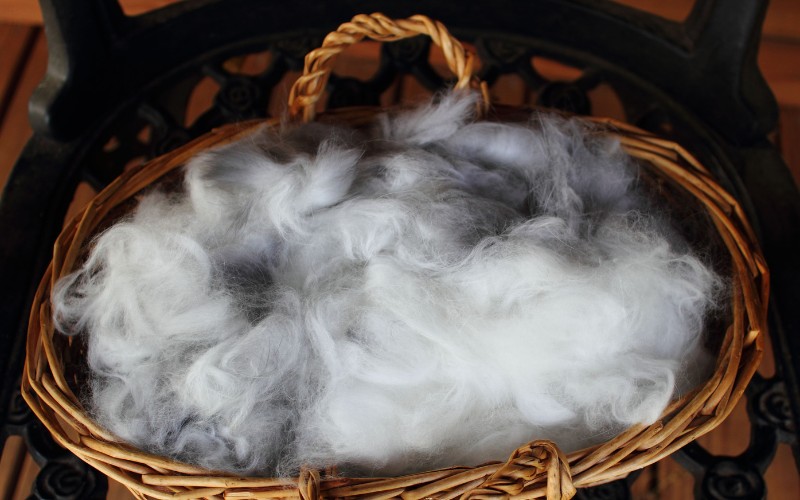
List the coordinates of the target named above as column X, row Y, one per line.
column 110, row 76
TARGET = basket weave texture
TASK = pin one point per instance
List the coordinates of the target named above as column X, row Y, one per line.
column 535, row 470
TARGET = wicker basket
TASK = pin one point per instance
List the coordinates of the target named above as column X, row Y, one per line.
column 535, row 470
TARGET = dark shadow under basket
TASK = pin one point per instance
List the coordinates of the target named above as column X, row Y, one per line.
column 54, row 363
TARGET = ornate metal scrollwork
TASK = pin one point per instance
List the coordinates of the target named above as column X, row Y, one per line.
column 770, row 406
column 503, row 54
column 567, row 97
column 69, row 480
column 63, row 476
column 729, row 479
column 615, row 490
column 242, row 98
column 407, row 54
column 19, row 414
column 352, row 92
column 294, row 49
column 85, row 109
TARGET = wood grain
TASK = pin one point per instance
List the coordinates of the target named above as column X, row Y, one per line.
column 25, row 479
column 16, row 42
column 14, row 129
column 783, row 16
column 28, row 11
column 789, row 139
column 11, row 463
column 22, row 64
column 779, row 61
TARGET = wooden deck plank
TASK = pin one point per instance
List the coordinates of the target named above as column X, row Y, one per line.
column 789, row 139
column 28, row 11
column 783, row 481
column 674, row 482
column 782, row 21
column 25, row 480
column 14, row 129
column 22, row 65
column 20, row 12
column 779, row 61
column 13, row 456
column 16, row 42
column 780, row 64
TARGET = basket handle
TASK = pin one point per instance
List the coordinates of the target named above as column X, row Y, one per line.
column 521, row 469
column 308, row 88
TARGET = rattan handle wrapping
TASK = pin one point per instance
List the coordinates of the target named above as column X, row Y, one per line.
column 519, row 475
column 309, row 87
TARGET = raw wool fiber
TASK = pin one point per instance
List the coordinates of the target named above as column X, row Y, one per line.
column 435, row 291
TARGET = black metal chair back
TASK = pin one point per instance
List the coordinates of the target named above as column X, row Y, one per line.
column 111, row 76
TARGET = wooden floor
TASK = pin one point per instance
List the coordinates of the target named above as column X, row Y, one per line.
column 23, row 57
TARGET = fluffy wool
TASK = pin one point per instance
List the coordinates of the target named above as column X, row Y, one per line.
column 434, row 291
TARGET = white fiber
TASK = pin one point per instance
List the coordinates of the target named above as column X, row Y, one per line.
column 433, row 292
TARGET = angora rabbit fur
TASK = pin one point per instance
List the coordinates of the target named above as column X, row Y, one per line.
column 434, row 291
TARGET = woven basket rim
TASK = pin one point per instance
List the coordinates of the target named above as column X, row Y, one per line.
column 49, row 395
